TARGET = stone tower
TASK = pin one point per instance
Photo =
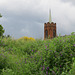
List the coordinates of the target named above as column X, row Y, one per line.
column 49, row 29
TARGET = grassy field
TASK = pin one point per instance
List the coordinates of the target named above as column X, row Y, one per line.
column 38, row 57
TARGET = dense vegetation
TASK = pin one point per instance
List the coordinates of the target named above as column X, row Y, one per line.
column 38, row 57
column 1, row 29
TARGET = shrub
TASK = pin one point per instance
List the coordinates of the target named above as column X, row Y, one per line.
column 7, row 71
column 73, row 33
column 26, row 38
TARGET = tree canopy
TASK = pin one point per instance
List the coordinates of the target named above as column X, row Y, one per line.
column 0, row 15
column 1, row 28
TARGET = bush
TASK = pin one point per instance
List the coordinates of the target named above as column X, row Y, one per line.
column 39, row 57
column 7, row 71
column 72, row 71
column 73, row 33
column 26, row 38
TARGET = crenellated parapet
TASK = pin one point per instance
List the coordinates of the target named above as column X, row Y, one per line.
column 52, row 23
column 49, row 24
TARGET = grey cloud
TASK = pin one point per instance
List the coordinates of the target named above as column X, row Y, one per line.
column 28, row 18
column 24, row 25
column 72, row 1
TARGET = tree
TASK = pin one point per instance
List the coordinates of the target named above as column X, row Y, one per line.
column 0, row 15
column 1, row 29
column 73, row 33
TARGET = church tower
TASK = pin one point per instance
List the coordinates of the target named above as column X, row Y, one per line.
column 49, row 29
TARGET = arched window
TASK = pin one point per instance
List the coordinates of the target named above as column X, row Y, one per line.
column 46, row 34
column 54, row 34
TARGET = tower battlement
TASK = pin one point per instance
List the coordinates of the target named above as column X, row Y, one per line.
column 49, row 24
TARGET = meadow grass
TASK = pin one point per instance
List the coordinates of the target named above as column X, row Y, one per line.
column 37, row 57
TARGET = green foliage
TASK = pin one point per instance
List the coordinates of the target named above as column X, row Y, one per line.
column 0, row 15
column 39, row 57
column 7, row 71
column 72, row 71
column 1, row 42
column 2, row 61
column 73, row 33
column 1, row 30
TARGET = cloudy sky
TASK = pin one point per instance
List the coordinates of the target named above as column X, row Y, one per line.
column 27, row 17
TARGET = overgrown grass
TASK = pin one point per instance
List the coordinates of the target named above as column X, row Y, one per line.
column 39, row 57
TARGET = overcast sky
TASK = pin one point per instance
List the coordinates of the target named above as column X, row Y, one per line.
column 27, row 17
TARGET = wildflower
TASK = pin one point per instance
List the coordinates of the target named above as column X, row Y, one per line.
column 45, row 46
column 46, row 49
column 55, row 51
column 60, row 40
column 47, row 72
column 57, row 69
column 35, row 51
column 74, row 45
column 61, row 54
column 18, row 68
column 26, row 38
column 41, row 58
column 2, row 50
column 9, row 48
column 21, row 59
column 60, row 65
column 32, row 50
column 31, row 56
column 53, row 72
column 44, row 59
column 71, row 54
column 55, row 64
column 47, row 68
column 43, row 67
column 55, row 56
column 25, row 61
column 16, row 62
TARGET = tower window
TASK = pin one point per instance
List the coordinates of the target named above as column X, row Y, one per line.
column 46, row 34
column 54, row 34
